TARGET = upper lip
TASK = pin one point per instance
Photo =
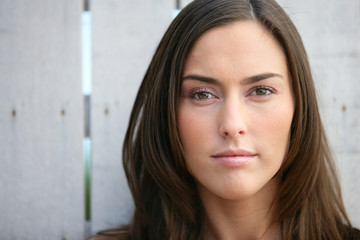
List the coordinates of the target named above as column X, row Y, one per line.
column 234, row 152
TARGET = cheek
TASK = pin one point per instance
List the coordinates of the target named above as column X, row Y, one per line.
column 189, row 125
column 195, row 129
column 272, row 128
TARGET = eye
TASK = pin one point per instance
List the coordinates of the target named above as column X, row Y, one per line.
column 202, row 94
column 262, row 91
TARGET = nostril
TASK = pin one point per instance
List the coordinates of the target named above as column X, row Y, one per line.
column 231, row 131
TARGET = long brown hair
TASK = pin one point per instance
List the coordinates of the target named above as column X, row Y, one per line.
column 167, row 205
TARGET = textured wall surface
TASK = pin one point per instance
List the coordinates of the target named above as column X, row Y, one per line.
column 41, row 104
column 125, row 35
column 41, row 115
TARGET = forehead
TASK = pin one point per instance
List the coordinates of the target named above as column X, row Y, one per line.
column 243, row 47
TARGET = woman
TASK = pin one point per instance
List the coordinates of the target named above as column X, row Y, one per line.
column 225, row 139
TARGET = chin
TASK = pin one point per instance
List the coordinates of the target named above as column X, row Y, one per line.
column 241, row 190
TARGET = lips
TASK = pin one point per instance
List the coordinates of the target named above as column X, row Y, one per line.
column 234, row 158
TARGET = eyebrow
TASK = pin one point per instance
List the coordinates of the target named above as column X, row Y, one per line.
column 245, row 81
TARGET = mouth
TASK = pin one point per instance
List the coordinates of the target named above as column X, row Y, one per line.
column 234, row 158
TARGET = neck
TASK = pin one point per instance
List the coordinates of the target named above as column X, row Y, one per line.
column 246, row 219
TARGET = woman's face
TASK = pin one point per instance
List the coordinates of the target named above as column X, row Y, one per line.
column 235, row 110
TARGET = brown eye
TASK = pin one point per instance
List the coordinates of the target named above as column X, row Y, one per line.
column 262, row 91
column 203, row 95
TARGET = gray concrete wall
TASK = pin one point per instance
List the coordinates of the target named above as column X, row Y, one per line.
column 41, row 105
column 125, row 35
column 41, row 180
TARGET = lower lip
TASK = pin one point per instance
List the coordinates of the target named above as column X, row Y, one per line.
column 235, row 161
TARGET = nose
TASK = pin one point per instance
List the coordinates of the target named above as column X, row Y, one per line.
column 233, row 120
